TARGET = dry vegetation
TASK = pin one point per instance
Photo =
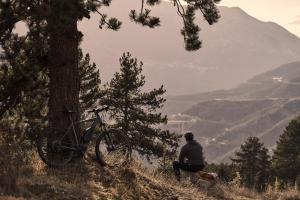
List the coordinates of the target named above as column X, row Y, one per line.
column 87, row 180
column 289, row 194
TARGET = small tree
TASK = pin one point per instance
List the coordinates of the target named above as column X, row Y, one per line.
column 237, row 180
column 278, row 185
column 253, row 163
column 286, row 159
column 89, row 83
column 135, row 111
column 226, row 172
column 165, row 163
column 264, row 165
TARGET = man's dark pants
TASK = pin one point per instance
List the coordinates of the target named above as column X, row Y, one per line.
column 185, row 167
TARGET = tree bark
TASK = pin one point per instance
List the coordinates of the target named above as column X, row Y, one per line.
column 63, row 63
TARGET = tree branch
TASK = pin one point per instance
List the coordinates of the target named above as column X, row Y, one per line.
column 142, row 8
column 103, row 18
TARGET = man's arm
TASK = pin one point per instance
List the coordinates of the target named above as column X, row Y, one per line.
column 182, row 155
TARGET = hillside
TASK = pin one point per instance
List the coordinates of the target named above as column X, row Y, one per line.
column 89, row 181
column 234, row 50
column 261, row 107
column 281, row 82
column 225, row 132
column 24, row 176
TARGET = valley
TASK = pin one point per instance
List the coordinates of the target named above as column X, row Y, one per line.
column 223, row 119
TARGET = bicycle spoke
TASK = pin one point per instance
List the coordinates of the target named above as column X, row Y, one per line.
column 55, row 149
column 109, row 147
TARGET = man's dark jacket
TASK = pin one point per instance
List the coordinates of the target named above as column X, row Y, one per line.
column 191, row 153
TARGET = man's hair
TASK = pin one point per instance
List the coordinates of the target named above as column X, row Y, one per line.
column 189, row 136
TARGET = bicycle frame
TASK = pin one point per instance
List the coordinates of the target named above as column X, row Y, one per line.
column 97, row 120
column 58, row 141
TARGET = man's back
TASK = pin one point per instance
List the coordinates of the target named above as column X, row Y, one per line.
column 192, row 152
column 190, row 157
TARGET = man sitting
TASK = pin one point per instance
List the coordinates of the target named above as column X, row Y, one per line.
column 190, row 157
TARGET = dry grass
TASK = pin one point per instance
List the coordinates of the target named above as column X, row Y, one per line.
column 87, row 180
column 270, row 194
column 9, row 168
column 289, row 194
column 237, row 192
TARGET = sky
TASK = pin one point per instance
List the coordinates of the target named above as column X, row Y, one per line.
column 284, row 12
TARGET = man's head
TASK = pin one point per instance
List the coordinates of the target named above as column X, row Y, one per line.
column 189, row 136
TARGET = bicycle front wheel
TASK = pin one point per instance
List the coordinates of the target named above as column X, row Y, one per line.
column 55, row 148
column 107, row 143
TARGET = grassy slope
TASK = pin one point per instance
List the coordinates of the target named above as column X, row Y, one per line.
column 125, row 181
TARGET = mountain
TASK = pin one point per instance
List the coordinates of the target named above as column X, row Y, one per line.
column 222, row 120
column 234, row 50
column 281, row 82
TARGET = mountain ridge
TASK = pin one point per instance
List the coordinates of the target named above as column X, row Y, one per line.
column 256, row 80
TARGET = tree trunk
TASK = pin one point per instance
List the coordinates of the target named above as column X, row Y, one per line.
column 63, row 63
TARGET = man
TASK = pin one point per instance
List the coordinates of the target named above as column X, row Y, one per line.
column 190, row 157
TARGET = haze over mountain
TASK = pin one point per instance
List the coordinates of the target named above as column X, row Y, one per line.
column 234, row 50
column 223, row 119
column 282, row 82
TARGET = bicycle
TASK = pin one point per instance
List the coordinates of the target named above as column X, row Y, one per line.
column 57, row 148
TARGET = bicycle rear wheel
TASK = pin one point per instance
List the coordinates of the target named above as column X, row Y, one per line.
column 55, row 148
column 107, row 143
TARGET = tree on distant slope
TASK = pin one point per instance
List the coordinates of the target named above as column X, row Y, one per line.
column 225, row 171
column 253, row 163
column 57, row 21
column 286, row 158
column 136, row 112
column 264, row 169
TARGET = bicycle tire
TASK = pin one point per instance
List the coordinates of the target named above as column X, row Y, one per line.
column 55, row 152
column 106, row 143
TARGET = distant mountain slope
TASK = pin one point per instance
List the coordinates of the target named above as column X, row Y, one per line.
column 262, row 107
column 266, row 124
column 234, row 50
column 282, row 82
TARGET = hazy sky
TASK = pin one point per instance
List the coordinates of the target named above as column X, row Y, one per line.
column 284, row 12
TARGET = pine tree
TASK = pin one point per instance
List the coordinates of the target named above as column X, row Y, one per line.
column 24, row 80
column 135, row 111
column 225, row 171
column 23, row 67
column 286, row 158
column 89, row 84
column 57, row 20
column 264, row 166
column 253, row 163
column 28, row 113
